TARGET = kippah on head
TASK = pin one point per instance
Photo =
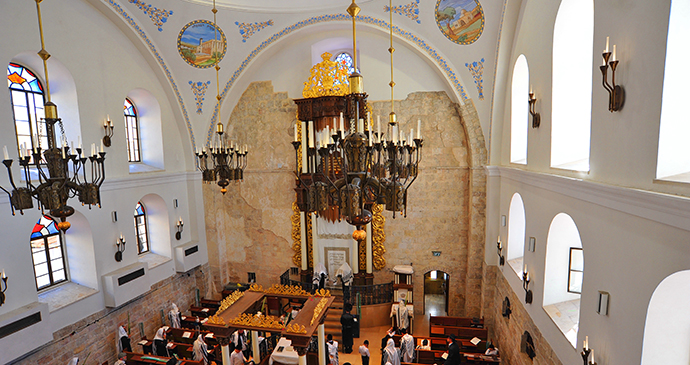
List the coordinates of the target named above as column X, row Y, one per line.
column 348, row 307
column 329, row 337
column 366, row 342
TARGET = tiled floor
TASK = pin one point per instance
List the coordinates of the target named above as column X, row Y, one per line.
column 435, row 304
column 566, row 316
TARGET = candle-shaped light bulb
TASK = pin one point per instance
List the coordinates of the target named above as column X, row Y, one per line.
column 378, row 127
column 587, row 337
column 64, row 153
column 3, row 274
column 360, row 125
column 79, row 142
column 4, row 151
column 342, row 125
column 614, row 53
column 419, row 129
column 102, row 146
column 295, row 132
column 500, row 245
column 21, row 152
column 607, row 44
column 311, row 134
column 411, row 134
column 591, row 359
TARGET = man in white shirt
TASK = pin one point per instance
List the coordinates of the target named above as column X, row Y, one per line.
column 332, row 347
column 364, row 352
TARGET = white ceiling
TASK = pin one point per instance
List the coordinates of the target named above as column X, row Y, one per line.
column 280, row 6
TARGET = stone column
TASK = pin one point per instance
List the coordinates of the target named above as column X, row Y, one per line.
column 225, row 347
column 302, row 352
column 255, row 347
column 303, row 238
column 370, row 254
column 322, row 344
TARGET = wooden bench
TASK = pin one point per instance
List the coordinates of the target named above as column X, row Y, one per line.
column 440, row 343
column 459, row 332
column 456, row 321
column 142, row 359
column 201, row 312
column 210, row 303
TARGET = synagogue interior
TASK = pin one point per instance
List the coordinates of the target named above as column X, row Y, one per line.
column 214, row 181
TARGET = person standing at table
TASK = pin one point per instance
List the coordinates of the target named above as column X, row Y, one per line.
column 332, row 347
column 347, row 321
column 175, row 317
column 123, row 343
column 237, row 358
column 364, row 352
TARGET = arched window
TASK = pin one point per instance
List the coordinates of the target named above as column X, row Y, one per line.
column 345, row 59
column 141, row 228
column 563, row 275
column 26, row 94
column 132, row 132
column 47, row 252
column 573, row 37
column 516, row 234
column 519, row 122
column 673, row 157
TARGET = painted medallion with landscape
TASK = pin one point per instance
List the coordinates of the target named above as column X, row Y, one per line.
column 201, row 44
column 461, row 21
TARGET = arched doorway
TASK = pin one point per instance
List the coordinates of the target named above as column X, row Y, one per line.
column 436, row 293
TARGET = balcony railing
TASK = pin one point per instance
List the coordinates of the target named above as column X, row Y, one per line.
column 368, row 294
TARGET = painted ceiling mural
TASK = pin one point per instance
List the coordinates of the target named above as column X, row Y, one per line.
column 201, row 44
column 461, row 21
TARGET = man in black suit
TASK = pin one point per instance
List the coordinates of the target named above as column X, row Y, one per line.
column 453, row 351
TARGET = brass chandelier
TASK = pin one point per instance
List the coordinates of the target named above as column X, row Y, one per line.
column 227, row 159
column 61, row 170
column 351, row 169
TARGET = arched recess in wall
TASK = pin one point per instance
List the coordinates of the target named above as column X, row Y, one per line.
column 516, row 234
column 63, row 90
column 519, row 125
column 150, row 131
column 667, row 327
column 561, row 288
column 81, row 256
column 159, row 225
column 284, row 40
column 673, row 158
column 573, row 37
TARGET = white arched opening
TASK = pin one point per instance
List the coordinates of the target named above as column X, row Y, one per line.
column 516, row 234
column 667, row 327
column 519, row 125
column 563, row 244
column 673, row 159
column 159, row 225
column 150, row 131
column 573, row 37
column 63, row 90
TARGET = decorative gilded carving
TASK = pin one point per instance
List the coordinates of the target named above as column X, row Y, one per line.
column 287, row 290
column 362, row 253
column 319, row 308
column 229, row 300
column 310, row 244
column 378, row 237
column 328, row 78
column 215, row 320
column 295, row 328
column 251, row 320
column 296, row 236
column 322, row 293
column 256, row 287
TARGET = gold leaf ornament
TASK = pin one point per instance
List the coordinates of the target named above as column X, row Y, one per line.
column 328, row 78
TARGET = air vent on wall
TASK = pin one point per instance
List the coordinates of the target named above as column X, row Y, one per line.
column 19, row 325
column 191, row 250
column 189, row 256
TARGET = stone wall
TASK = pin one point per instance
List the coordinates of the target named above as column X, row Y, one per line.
column 94, row 336
column 249, row 229
column 507, row 332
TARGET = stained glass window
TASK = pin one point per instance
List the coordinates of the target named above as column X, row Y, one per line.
column 132, row 131
column 141, row 229
column 47, row 251
column 26, row 95
column 345, row 59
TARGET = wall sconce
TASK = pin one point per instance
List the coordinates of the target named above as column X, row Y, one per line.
column 120, row 243
column 3, row 288
column 506, row 311
column 616, row 92
column 499, row 249
column 108, row 127
column 586, row 351
column 179, row 226
column 525, row 285
column 536, row 118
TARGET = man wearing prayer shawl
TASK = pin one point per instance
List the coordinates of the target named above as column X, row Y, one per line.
column 175, row 317
column 391, row 354
column 345, row 275
column 122, row 341
column 200, row 350
column 320, row 275
column 406, row 346
column 160, row 344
